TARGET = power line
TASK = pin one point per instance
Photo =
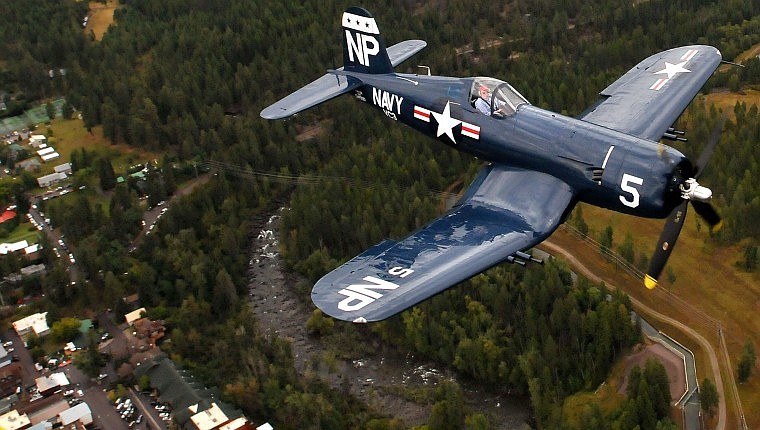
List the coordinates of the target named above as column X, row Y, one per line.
column 302, row 179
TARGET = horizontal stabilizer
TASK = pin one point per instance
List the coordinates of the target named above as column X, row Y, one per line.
column 403, row 50
column 334, row 84
column 321, row 90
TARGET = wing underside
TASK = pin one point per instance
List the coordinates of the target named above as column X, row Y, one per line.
column 648, row 99
column 505, row 210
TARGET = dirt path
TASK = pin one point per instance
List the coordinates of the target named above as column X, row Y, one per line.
column 378, row 377
column 556, row 249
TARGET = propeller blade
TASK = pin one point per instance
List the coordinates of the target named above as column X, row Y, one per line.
column 665, row 245
column 712, row 142
column 709, row 214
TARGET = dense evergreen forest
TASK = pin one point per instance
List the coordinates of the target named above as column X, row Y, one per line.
column 188, row 78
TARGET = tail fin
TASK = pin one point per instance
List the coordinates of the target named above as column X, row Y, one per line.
column 363, row 48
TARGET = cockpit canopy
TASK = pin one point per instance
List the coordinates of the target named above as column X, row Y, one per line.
column 494, row 97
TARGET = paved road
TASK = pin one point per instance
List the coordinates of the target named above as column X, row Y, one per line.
column 690, row 400
column 556, row 249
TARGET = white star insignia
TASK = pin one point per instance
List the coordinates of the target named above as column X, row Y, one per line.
column 673, row 69
column 446, row 123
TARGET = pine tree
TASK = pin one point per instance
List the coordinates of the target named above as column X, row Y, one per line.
column 746, row 362
column 708, row 397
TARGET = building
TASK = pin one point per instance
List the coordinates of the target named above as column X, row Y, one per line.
column 47, row 385
column 194, row 406
column 80, row 412
column 63, row 168
column 5, row 248
column 238, row 424
column 34, row 269
column 36, row 323
column 208, row 419
column 214, row 418
column 30, row 164
column 11, row 375
column 151, row 331
column 5, row 358
column 51, row 156
column 8, row 402
column 36, row 140
column 48, row 180
column 134, row 316
column 7, row 216
column 46, row 150
column 14, row 421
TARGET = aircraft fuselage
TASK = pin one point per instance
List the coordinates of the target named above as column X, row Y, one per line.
column 607, row 168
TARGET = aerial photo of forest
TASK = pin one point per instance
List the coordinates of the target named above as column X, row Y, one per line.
column 177, row 87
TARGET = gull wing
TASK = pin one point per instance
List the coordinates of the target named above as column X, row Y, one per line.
column 648, row 99
column 504, row 211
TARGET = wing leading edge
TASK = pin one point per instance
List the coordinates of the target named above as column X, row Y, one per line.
column 648, row 99
column 504, row 211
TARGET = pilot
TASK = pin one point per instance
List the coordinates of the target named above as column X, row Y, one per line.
column 483, row 103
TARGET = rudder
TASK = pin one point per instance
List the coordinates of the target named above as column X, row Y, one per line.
column 364, row 50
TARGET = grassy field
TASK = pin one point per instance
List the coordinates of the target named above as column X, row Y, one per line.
column 101, row 17
column 24, row 231
column 707, row 285
column 726, row 101
column 70, row 135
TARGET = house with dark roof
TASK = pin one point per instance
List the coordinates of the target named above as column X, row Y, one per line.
column 194, row 406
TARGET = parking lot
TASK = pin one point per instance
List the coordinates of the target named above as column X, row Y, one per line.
column 140, row 414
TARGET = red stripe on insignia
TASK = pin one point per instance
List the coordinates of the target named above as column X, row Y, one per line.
column 421, row 113
column 470, row 130
column 659, row 84
column 689, row 54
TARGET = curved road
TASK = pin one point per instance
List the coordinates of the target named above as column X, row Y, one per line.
column 556, row 249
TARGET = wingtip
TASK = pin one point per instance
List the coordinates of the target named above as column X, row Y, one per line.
column 650, row 282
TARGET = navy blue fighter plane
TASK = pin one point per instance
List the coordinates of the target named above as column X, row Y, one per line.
column 541, row 164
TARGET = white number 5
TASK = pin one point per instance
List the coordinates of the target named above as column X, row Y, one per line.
column 625, row 185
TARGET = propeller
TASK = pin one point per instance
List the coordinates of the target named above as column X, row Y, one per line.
column 699, row 197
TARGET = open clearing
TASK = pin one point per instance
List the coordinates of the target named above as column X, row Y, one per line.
column 101, row 17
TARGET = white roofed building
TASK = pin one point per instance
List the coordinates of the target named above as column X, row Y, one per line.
column 134, row 316
column 209, row 419
column 14, row 421
column 63, row 168
column 80, row 412
column 5, row 358
column 46, row 150
column 50, row 156
column 48, row 180
column 37, row 139
column 236, row 424
column 46, row 385
column 35, row 323
column 13, row 247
